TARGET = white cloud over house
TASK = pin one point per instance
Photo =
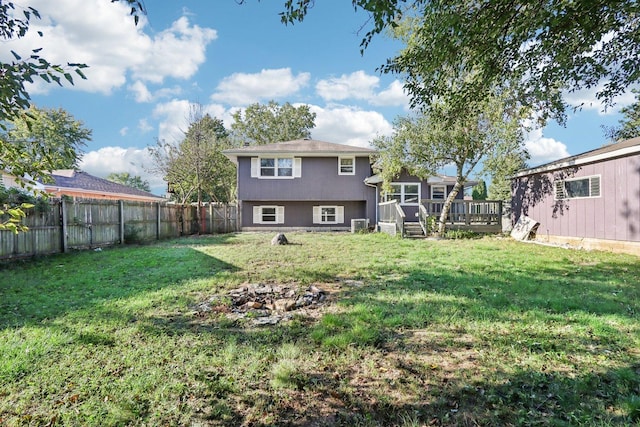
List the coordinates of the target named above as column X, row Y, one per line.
column 542, row 149
column 135, row 161
column 362, row 86
column 349, row 125
column 241, row 89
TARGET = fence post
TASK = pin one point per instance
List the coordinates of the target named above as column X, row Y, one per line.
column 63, row 220
column 157, row 220
column 121, row 220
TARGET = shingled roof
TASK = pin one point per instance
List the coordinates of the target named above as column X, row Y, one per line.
column 299, row 147
column 73, row 180
column 623, row 148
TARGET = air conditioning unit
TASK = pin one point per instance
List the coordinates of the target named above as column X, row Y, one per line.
column 359, row 224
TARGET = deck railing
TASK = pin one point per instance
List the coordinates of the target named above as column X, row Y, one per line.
column 391, row 212
column 481, row 215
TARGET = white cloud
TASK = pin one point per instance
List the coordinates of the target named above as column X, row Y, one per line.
column 586, row 99
column 143, row 94
column 144, row 126
column 393, row 95
column 243, row 88
column 542, row 149
column 103, row 35
column 124, row 131
column 108, row 160
column 174, row 118
column 362, row 86
column 349, row 125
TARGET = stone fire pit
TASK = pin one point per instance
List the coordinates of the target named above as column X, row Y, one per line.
column 263, row 304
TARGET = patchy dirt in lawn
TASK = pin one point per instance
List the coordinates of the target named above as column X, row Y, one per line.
column 261, row 304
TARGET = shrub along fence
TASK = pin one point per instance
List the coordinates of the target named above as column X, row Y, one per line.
column 88, row 223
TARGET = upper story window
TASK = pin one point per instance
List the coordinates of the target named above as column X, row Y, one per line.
column 346, row 165
column 276, row 167
column 578, row 188
column 404, row 193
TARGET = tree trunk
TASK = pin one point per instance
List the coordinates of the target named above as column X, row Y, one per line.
column 446, row 208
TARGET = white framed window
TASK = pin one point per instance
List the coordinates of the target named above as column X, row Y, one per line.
column 346, row 165
column 438, row 192
column 268, row 214
column 405, row 193
column 578, row 188
column 328, row 214
column 276, row 167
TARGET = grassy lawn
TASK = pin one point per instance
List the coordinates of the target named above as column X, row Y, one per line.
column 459, row 332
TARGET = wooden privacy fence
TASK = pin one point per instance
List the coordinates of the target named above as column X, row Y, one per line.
column 89, row 223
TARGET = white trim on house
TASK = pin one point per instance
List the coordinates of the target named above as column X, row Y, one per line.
column 344, row 169
column 403, row 193
column 445, row 193
column 582, row 160
column 594, row 186
column 259, row 214
column 256, row 167
column 321, row 214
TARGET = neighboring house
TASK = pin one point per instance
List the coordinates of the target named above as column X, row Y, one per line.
column 78, row 184
column 590, row 200
column 315, row 185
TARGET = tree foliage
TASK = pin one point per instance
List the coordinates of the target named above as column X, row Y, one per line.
column 536, row 49
column 261, row 124
column 629, row 126
column 424, row 144
column 39, row 140
column 134, row 181
column 195, row 168
column 479, row 191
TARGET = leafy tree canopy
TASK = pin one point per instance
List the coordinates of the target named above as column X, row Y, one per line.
column 440, row 136
column 134, row 181
column 39, row 140
column 537, row 49
column 629, row 126
column 261, row 124
column 195, row 169
column 479, row 191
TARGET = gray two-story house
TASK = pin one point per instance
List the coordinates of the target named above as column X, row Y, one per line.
column 303, row 184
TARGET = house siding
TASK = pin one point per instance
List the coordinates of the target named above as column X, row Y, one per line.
column 299, row 214
column 319, row 183
column 615, row 215
column 411, row 212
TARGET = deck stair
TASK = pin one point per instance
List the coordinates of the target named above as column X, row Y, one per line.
column 413, row 230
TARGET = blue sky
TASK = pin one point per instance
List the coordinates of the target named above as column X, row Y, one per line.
column 226, row 56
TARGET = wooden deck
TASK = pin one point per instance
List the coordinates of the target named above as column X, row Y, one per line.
column 480, row 216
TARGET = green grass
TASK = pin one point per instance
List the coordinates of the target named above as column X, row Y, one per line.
column 453, row 332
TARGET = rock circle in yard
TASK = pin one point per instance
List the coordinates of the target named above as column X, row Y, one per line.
column 264, row 304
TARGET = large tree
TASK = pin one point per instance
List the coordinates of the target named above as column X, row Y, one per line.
column 134, row 181
column 440, row 136
column 538, row 49
column 261, row 124
column 195, row 168
column 39, row 140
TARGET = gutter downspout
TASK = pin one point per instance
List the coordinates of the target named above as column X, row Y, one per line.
column 376, row 201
